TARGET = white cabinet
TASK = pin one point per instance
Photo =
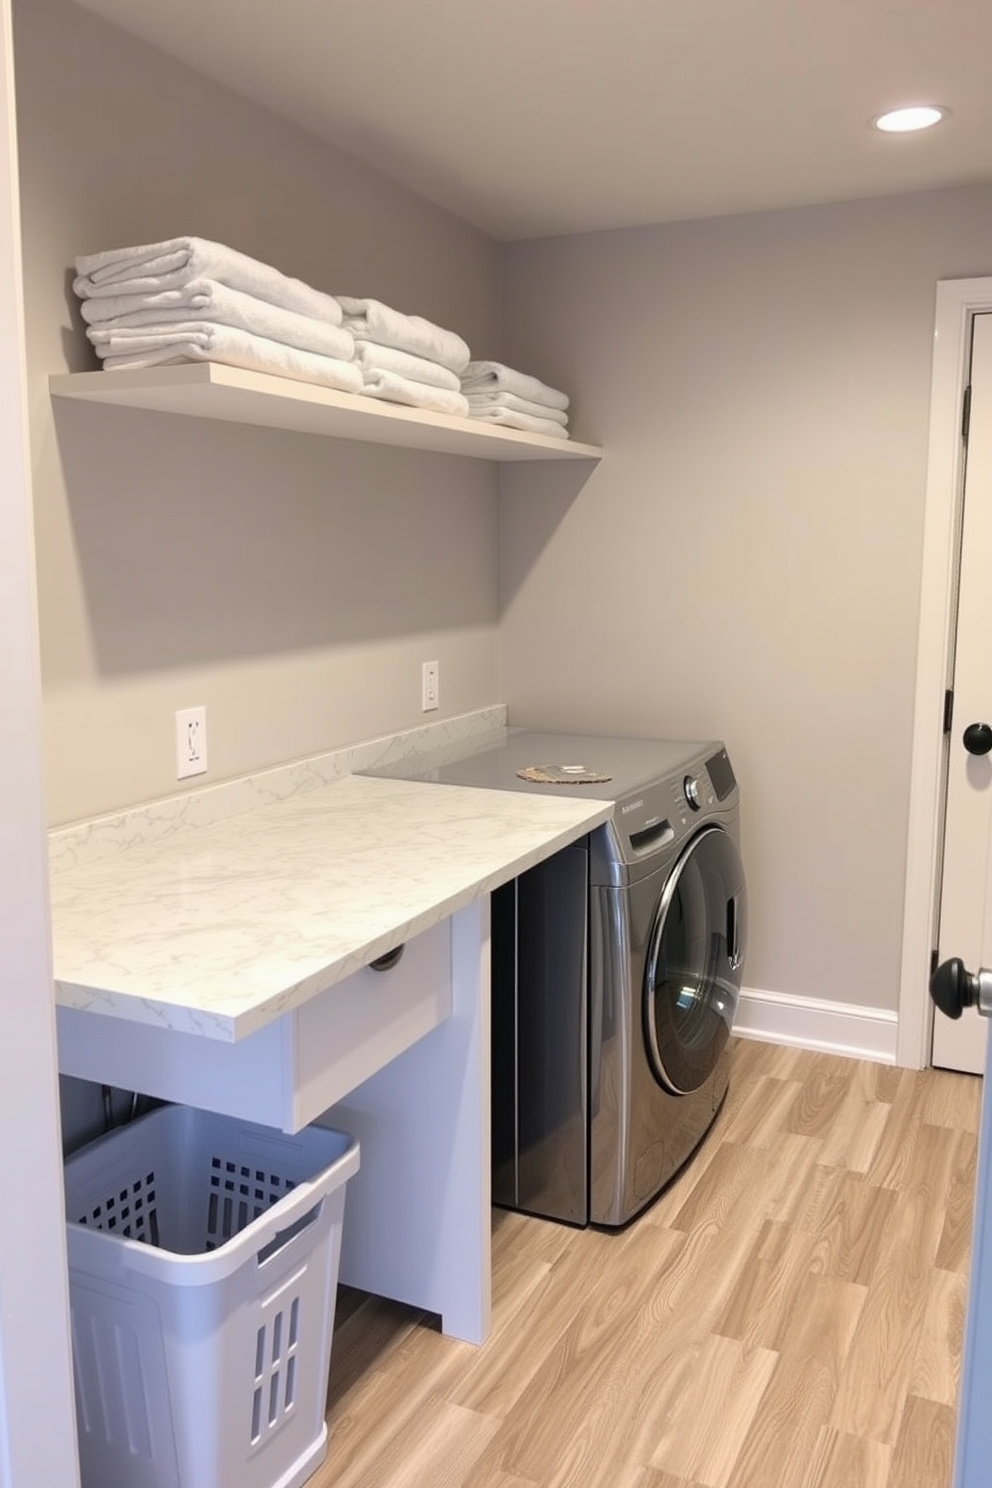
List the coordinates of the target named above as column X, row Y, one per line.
column 227, row 966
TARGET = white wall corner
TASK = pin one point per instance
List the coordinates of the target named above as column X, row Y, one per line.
column 812, row 1023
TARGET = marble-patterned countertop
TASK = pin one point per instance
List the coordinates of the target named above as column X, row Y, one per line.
column 220, row 929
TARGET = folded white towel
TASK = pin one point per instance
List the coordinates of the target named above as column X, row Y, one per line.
column 214, row 343
column 395, row 389
column 370, row 320
column 514, row 420
column 481, row 401
column 490, row 377
column 370, row 356
column 220, row 306
column 172, row 264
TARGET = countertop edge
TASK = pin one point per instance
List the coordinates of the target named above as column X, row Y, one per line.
column 235, row 1026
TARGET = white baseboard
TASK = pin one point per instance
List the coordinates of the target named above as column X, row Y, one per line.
column 810, row 1023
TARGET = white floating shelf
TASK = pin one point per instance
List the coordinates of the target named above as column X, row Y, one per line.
column 211, row 390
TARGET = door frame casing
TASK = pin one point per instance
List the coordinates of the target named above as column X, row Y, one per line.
column 958, row 301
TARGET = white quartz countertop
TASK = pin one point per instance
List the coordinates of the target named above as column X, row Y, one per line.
column 220, row 929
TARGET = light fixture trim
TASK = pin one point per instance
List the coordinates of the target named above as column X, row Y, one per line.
column 910, row 119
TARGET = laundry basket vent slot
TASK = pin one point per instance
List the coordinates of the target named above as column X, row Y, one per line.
column 274, row 1394
column 238, row 1195
column 129, row 1211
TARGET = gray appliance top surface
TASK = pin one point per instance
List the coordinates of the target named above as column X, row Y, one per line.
column 631, row 764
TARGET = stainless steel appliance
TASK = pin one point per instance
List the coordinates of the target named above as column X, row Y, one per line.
column 616, row 969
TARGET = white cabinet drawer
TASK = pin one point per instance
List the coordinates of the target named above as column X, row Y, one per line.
column 339, row 1041
column 287, row 1073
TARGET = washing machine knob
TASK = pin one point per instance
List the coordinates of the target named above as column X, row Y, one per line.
column 693, row 792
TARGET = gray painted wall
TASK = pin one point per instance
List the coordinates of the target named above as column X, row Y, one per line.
column 292, row 584
column 745, row 561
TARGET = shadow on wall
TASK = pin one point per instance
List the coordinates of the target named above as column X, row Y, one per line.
column 78, row 353
column 535, row 500
column 195, row 541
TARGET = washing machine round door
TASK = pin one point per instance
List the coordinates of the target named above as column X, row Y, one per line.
column 694, row 963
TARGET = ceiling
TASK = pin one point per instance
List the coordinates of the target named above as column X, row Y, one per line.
column 536, row 117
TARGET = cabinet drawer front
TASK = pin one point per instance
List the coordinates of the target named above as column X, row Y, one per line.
column 361, row 1023
column 288, row 1072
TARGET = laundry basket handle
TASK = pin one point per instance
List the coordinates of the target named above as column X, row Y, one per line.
column 263, row 1240
column 282, row 1238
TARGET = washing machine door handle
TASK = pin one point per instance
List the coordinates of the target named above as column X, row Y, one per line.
column 735, row 953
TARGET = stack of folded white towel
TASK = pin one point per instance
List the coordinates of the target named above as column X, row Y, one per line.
column 406, row 359
column 188, row 299
column 501, row 395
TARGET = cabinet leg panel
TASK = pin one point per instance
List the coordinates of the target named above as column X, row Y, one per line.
column 417, row 1214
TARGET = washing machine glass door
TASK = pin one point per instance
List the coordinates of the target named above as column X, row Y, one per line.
column 694, row 962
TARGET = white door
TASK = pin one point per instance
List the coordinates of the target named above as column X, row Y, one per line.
column 965, row 925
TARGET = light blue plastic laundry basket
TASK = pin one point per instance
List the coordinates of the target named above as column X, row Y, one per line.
column 203, row 1264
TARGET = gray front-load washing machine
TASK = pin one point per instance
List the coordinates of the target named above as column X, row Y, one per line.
column 616, row 970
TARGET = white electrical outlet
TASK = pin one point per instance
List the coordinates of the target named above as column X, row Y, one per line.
column 431, row 686
column 191, row 742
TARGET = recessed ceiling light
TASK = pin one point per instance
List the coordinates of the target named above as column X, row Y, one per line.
column 905, row 120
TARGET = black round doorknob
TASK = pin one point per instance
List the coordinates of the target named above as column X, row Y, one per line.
column 977, row 738
column 952, row 988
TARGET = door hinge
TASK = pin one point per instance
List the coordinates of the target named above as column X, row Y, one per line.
column 966, row 412
column 948, row 709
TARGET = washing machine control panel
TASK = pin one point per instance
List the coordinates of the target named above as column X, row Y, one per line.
column 698, row 791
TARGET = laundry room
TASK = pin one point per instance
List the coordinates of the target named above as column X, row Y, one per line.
column 739, row 563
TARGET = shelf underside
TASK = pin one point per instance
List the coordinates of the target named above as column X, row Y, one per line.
column 211, row 390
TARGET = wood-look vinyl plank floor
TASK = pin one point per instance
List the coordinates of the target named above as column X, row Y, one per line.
column 850, row 1224
column 841, row 1461
column 955, row 1236
column 788, row 1312
column 936, row 1363
column 715, row 1410
column 872, row 1394
column 924, row 1451
column 767, row 1289
column 808, row 1370
column 502, row 1378
column 856, row 1130
column 648, row 1478
column 823, row 1093
column 888, row 1164
column 950, row 1102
